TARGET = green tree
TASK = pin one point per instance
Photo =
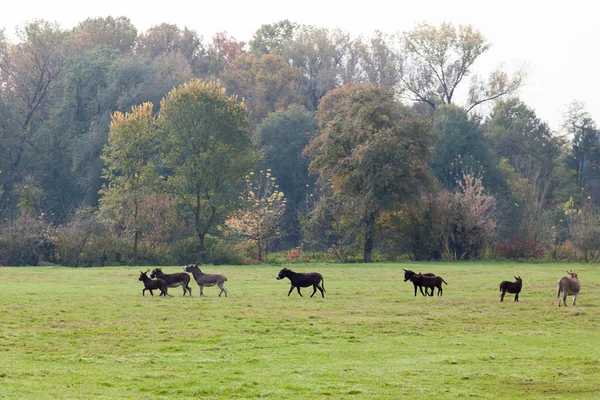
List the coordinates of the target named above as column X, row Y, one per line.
column 585, row 149
column 207, row 151
column 461, row 146
column 118, row 33
column 271, row 37
column 515, row 132
column 438, row 59
column 129, row 171
column 371, row 151
column 282, row 136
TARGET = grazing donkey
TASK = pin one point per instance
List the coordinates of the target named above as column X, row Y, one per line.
column 568, row 286
column 409, row 274
column 173, row 280
column 299, row 280
column 153, row 284
column 429, row 282
column 203, row 279
column 511, row 287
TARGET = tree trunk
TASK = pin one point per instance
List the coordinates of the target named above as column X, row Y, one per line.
column 136, row 235
column 369, row 228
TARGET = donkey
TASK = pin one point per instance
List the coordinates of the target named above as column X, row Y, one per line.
column 203, row 279
column 299, row 280
column 429, row 282
column 568, row 286
column 409, row 274
column 511, row 287
column 153, row 284
column 173, row 280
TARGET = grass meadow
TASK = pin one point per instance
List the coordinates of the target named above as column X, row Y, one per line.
column 88, row 333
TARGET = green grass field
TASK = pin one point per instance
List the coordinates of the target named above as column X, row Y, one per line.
column 89, row 333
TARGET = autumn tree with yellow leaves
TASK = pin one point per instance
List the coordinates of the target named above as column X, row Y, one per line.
column 260, row 216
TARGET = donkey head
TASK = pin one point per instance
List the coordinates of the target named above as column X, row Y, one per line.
column 572, row 274
column 154, row 272
column 143, row 276
column 283, row 273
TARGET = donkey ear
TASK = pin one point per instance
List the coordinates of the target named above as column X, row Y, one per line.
column 403, row 269
column 516, row 278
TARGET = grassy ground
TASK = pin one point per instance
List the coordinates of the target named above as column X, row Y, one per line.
column 89, row 333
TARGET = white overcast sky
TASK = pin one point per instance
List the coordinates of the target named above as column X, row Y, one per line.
column 556, row 41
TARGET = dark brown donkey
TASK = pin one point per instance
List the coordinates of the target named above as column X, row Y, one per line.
column 511, row 287
column 409, row 274
column 429, row 282
column 173, row 280
column 153, row 284
column 299, row 280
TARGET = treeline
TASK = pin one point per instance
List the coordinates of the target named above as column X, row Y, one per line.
column 158, row 147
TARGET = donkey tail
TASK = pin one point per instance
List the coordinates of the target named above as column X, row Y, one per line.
column 444, row 280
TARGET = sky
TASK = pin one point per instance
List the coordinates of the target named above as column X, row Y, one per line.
column 554, row 41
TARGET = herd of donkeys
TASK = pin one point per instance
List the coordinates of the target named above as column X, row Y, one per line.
column 158, row 280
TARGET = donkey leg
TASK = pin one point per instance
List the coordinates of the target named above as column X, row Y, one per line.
column 322, row 291
column 574, row 299
column 314, row 290
column 517, row 297
column 298, row 288
column 292, row 288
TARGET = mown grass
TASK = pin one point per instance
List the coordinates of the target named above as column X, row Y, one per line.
column 88, row 333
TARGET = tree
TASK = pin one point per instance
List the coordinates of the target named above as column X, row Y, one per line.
column 118, row 33
column 460, row 146
column 318, row 52
column 27, row 69
column 585, row 149
column 271, row 37
column 438, row 59
column 266, row 82
column 207, row 152
column 260, row 217
column 371, row 151
column 282, row 136
column 516, row 133
column 471, row 220
column 129, row 170
column 164, row 39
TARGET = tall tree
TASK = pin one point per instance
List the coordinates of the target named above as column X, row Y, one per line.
column 266, row 82
column 118, row 33
column 438, row 59
column 371, row 151
column 271, row 37
column 129, row 171
column 461, row 147
column 515, row 132
column 282, row 136
column 319, row 53
column 585, row 147
column 208, row 152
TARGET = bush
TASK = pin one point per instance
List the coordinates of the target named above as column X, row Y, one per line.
column 25, row 241
column 518, row 247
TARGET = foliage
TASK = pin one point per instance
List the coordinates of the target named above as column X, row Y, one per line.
column 129, row 172
column 371, row 152
column 438, row 59
column 261, row 212
column 207, row 153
